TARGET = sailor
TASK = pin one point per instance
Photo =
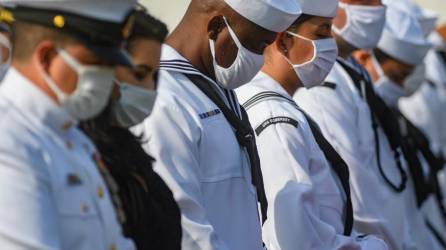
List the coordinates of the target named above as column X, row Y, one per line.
column 425, row 108
column 378, row 178
column 203, row 146
column 401, row 49
column 306, row 181
column 52, row 195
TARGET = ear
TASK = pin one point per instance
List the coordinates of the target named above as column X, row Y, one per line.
column 215, row 26
column 44, row 54
column 284, row 42
column 362, row 56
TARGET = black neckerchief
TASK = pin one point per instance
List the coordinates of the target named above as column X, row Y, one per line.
column 384, row 117
column 336, row 162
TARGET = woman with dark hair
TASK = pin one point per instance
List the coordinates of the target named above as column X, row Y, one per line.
column 144, row 204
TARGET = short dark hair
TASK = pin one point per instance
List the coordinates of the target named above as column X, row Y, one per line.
column 300, row 20
column 381, row 56
column 26, row 36
column 146, row 27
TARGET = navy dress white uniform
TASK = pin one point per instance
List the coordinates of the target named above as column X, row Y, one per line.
column 306, row 200
column 408, row 44
column 426, row 107
column 52, row 195
column 345, row 120
column 197, row 152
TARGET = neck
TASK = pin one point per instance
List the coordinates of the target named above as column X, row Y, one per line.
column 27, row 70
column 188, row 39
column 345, row 50
column 286, row 78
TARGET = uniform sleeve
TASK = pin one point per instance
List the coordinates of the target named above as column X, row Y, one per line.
column 173, row 140
column 28, row 216
column 334, row 111
column 294, row 215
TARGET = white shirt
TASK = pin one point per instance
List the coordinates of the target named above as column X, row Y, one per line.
column 306, row 200
column 345, row 120
column 51, row 193
column 198, row 156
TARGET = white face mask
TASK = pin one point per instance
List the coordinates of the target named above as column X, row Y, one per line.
column 389, row 90
column 314, row 72
column 4, row 66
column 92, row 92
column 134, row 105
column 364, row 25
column 245, row 66
column 415, row 80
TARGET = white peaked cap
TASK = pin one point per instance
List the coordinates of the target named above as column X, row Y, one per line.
column 403, row 37
column 427, row 18
column 322, row 8
column 106, row 10
column 273, row 15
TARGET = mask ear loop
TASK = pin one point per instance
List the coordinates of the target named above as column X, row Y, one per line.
column 313, row 43
column 337, row 30
column 61, row 96
column 232, row 33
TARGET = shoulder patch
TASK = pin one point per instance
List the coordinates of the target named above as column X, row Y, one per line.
column 276, row 120
column 330, row 85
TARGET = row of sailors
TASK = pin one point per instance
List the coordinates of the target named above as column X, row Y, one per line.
column 279, row 124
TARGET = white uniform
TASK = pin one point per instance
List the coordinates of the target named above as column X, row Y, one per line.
column 198, row 156
column 306, row 200
column 51, row 192
column 345, row 120
column 425, row 109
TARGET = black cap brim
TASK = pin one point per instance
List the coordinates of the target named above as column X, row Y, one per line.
column 112, row 55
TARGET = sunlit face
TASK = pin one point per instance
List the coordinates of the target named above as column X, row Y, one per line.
column 314, row 28
column 253, row 37
column 146, row 55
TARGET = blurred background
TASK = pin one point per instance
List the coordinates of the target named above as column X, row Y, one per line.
column 171, row 11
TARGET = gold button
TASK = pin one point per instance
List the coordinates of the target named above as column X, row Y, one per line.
column 59, row 21
column 69, row 144
column 67, row 125
column 113, row 247
column 100, row 192
column 84, row 208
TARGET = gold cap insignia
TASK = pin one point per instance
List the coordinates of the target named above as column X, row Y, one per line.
column 6, row 16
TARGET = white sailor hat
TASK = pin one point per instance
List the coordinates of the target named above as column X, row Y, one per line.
column 322, row 8
column 273, row 15
column 403, row 37
column 101, row 25
column 427, row 18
